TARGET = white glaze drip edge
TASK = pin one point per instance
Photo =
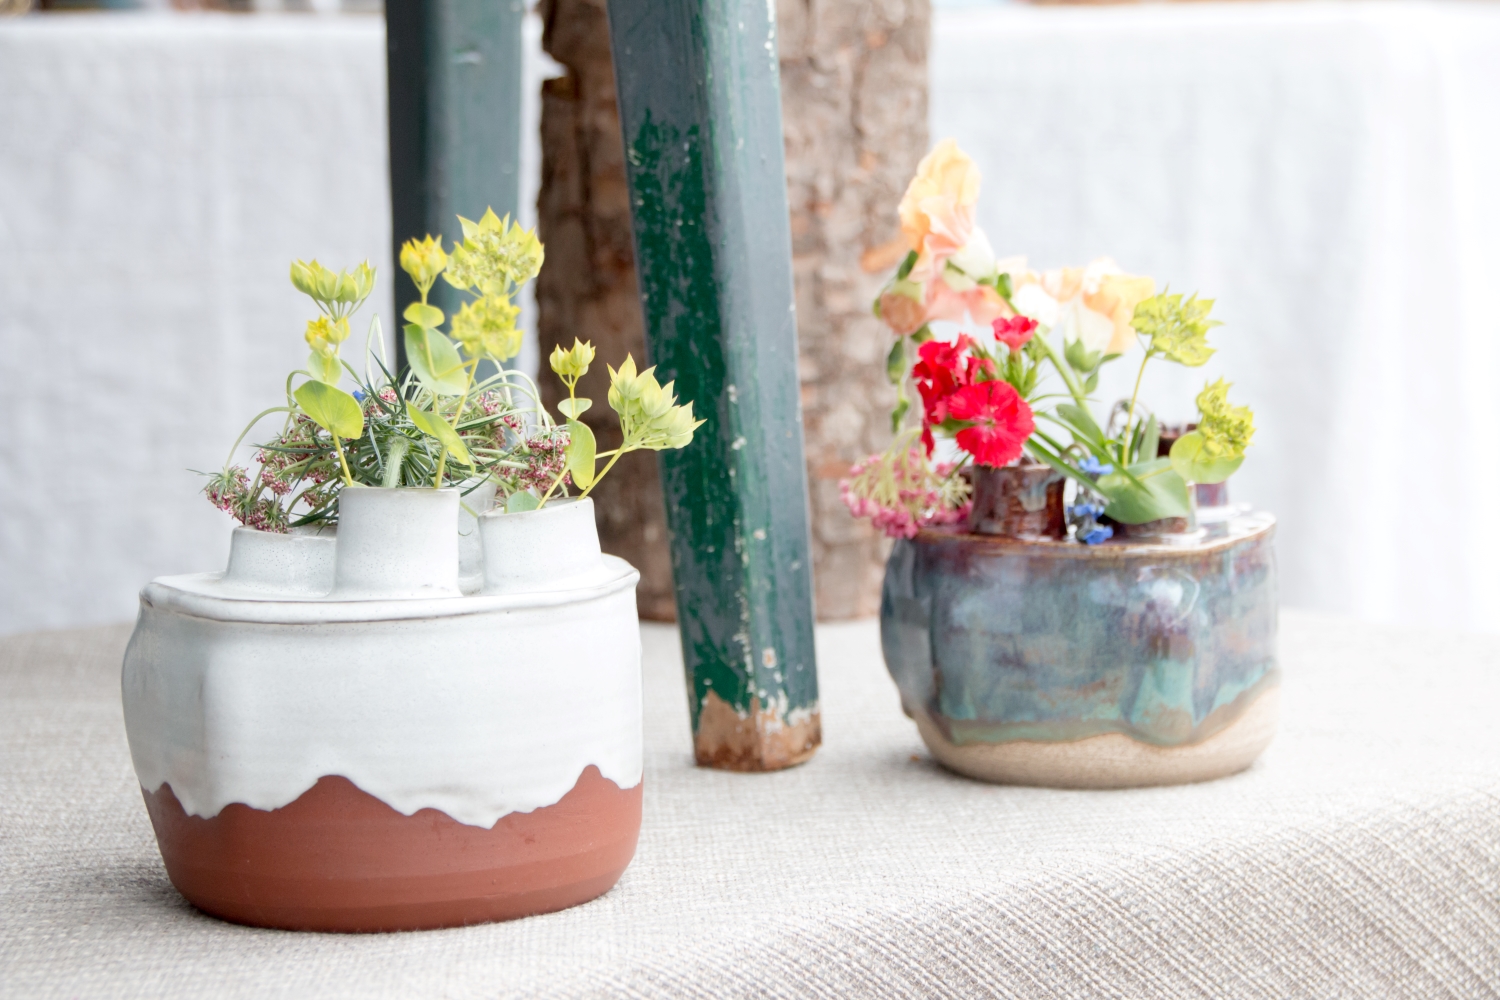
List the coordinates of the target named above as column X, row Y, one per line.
column 475, row 706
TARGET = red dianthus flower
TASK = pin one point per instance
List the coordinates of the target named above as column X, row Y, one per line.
column 942, row 370
column 1002, row 421
column 1014, row 332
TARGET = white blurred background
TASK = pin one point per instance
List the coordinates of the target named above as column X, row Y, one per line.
column 1326, row 171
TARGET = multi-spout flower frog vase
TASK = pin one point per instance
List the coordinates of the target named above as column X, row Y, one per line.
column 1037, row 660
column 346, row 732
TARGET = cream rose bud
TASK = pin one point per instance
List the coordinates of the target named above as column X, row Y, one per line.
column 976, row 258
column 1032, row 300
column 958, row 280
column 1078, row 322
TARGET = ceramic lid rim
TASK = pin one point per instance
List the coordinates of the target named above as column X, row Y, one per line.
column 187, row 595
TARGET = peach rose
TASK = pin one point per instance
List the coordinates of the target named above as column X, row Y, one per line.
column 937, row 211
column 981, row 302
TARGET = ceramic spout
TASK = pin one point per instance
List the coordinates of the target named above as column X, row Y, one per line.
column 396, row 543
column 554, row 548
column 297, row 562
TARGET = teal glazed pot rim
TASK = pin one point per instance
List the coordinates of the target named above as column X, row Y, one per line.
column 1230, row 533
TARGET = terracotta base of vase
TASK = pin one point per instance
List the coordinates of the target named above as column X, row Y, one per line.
column 1112, row 760
column 339, row 859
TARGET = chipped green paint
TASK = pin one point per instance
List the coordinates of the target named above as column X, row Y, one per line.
column 454, row 78
column 700, row 109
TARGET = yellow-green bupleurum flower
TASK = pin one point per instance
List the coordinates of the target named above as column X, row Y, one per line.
column 486, row 328
column 424, row 260
column 1178, row 330
column 495, row 255
column 573, row 363
column 337, row 293
column 649, row 414
column 324, row 335
column 1227, row 429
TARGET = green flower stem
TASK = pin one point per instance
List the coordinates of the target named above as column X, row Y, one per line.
column 348, row 479
column 1130, row 416
column 1039, row 452
column 1063, row 369
column 263, row 413
column 572, row 385
column 553, row 488
column 463, row 401
column 609, row 465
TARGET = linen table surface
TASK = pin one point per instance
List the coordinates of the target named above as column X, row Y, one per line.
column 1359, row 858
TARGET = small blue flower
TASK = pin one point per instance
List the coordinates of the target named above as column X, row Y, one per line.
column 359, row 394
column 1090, row 465
column 1101, row 533
column 1080, row 511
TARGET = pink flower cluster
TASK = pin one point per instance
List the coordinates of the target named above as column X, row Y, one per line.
column 285, row 461
column 488, row 405
column 544, row 458
column 230, row 492
column 903, row 495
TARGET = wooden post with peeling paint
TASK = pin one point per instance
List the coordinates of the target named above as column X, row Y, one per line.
column 453, row 71
column 700, row 110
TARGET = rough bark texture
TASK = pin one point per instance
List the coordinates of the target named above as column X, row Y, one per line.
column 854, row 108
column 854, row 111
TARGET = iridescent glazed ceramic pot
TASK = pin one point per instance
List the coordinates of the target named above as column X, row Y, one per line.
column 396, row 727
column 1048, row 662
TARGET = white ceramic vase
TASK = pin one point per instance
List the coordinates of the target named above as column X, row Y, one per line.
column 393, row 754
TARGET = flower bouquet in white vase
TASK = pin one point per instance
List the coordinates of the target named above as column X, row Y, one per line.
column 378, row 717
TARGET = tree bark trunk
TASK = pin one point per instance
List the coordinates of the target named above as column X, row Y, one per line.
column 854, row 109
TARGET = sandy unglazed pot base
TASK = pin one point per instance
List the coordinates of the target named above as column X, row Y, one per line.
column 339, row 859
column 1112, row 760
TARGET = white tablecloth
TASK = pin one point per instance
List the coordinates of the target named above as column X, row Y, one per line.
column 1325, row 170
column 1359, row 859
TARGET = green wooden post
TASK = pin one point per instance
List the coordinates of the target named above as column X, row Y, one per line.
column 700, row 109
column 454, row 78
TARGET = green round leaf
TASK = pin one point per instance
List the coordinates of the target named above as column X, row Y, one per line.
column 435, row 361
column 1189, row 461
column 435, row 426
column 424, row 315
column 580, row 454
column 573, row 408
column 332, row 409
column 521, row 501
column 325, row 369
column 1155, row 492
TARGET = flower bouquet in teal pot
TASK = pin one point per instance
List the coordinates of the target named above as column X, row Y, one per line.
column 1071, row 598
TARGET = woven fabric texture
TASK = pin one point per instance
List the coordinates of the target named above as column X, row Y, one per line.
column 1359, row 858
